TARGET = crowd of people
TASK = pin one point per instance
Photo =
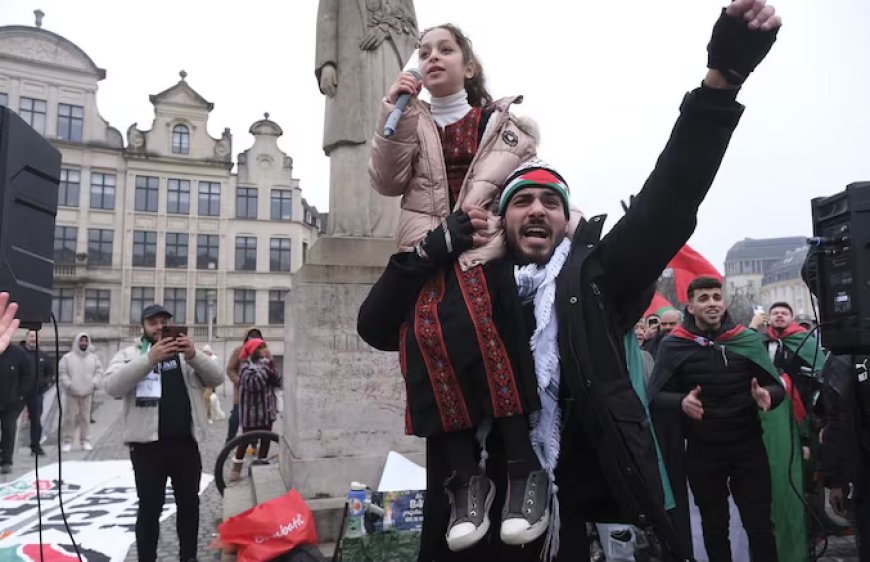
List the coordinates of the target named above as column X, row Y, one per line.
column 546, row 399
column 167, row 387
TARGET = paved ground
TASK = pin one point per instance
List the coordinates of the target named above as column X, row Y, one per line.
column 106, row 435
column 108, row 445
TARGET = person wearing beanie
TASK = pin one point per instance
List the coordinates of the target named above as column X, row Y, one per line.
column 258, row 404
column 554, row 310
column 161, row 380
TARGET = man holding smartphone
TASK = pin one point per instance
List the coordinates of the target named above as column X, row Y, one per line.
column 161, row 379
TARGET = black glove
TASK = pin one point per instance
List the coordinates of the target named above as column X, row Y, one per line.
column 444, row 243
column 735, row 50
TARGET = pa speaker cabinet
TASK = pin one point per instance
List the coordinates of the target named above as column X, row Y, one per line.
column 843, row 222
column 29, row 179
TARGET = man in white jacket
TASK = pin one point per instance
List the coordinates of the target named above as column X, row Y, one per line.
column 79, row 372
column 161, row 380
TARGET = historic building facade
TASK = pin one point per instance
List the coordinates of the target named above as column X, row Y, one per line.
column 158, row 214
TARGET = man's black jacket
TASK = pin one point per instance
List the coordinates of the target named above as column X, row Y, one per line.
column 605, row 285
column 15, row 378
column 846, row 442
column 41, row 367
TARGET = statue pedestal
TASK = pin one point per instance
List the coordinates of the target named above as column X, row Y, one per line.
column 344, row 402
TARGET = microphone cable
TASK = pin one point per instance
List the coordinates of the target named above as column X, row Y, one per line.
column 59, row 447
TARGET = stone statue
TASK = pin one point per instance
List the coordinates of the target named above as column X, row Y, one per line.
column 362, row 45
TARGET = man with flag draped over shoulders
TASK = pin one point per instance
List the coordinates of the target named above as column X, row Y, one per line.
column 714, row 379
column 792, row 348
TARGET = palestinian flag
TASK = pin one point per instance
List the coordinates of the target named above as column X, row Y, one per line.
column 688, row 265
column 781, row 437
column 797, row 339
column 658, row 305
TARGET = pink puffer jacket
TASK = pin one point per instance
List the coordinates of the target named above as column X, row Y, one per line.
column 410, row 164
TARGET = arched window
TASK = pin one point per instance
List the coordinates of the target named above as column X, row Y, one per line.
column 180, row 139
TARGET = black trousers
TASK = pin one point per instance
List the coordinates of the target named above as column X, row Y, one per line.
column 8, row 427
column 233, row 428
column 34, row 412
column 153, row 463
column 742, row 468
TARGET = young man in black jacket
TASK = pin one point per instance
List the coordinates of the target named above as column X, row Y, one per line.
column 42, row 368
column 607, row 468
column 15, row 381
column 706, row 372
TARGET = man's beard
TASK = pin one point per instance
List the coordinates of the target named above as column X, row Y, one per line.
column 537, row 255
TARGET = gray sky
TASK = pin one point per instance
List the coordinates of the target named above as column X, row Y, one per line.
column 603, row 80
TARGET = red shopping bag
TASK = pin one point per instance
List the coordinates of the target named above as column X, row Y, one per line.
column 270, row 529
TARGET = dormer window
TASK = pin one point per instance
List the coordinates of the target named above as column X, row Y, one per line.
column 180, row 139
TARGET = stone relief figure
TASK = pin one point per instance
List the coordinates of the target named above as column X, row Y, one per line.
column 362, row 46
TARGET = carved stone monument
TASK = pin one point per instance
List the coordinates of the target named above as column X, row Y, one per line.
column 344, row 401
column 362, row 45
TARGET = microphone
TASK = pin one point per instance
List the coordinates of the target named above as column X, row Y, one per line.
column 401, row 104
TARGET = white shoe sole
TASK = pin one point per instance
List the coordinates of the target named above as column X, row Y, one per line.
column 455, row 544
column 513, row 537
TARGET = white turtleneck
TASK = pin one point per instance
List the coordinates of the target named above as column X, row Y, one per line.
column 449, row 109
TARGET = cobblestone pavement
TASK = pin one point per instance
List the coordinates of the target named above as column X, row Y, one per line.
column 111, row 446
column 108, row 445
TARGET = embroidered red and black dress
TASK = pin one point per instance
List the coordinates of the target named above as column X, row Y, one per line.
column 459, row 143
column 463, row 355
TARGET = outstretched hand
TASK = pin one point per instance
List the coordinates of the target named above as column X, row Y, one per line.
column 742, row 37
column 8, row 322
column 761, row 396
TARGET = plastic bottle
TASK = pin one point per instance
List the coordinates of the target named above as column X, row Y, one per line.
column 356, row 510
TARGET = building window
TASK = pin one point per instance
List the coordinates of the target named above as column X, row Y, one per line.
column 100, row 246
column 304, row 252
column 203, row 298
column 33, row 111
column 146, row 193
column 277, row 298
column 144, row 248
column 209, row 199
column 175, row 301
column 178, row 197
column 140, row 297
column 102, row 191
column 246, row 203
column 176, row 250
column 4, row 99
column 246, row 253
column 70, row 186
column 244, row 305
column 70, row 119
column 207, row 247
column 65, row 238
column 282, row 205
column 62, row 305
column 180, row 139
column 97, row 306
column 279, row 254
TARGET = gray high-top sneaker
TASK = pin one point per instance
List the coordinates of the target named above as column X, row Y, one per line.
column 526, row 512
column 469, row 511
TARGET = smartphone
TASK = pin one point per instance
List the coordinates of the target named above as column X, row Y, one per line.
column 173, row 331
column 757, row 309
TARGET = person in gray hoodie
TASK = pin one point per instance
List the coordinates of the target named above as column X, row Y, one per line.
column 78, row 373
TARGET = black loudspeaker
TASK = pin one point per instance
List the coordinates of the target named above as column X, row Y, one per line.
column 841, row 228
column 29, row 179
